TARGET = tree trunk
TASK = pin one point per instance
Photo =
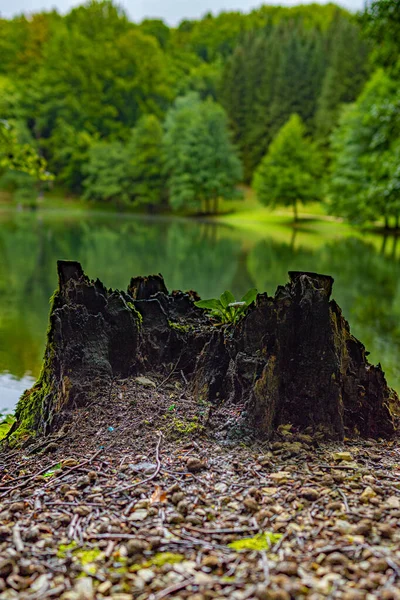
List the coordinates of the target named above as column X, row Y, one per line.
column 291, row 359
column 387, row 225
column 295, row 212
column 215, row 210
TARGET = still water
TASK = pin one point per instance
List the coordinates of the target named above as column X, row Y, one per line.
column 205, row 257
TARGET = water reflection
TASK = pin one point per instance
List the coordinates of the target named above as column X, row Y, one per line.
column 191, row 255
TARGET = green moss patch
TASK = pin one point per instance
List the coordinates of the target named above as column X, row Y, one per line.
column 262, row 541
column 6, row 423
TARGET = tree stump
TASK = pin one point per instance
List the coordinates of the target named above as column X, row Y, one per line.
column 290, row 360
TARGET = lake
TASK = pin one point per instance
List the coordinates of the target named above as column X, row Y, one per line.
column 206, row 257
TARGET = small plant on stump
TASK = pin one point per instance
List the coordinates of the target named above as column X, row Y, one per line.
column 225, row 308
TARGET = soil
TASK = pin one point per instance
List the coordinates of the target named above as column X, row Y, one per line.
column 147, row 494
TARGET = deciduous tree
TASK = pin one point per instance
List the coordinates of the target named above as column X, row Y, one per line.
column 290, row 171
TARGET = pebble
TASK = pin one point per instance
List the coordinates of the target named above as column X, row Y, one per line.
column 367, row 494
column 311, row 494
column 287, row 568
column 342, row 456
column 337, row 558
column 138, row 515
column 16, row 507
column 194, row 465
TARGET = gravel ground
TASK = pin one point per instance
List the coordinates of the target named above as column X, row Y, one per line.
column 142, row 495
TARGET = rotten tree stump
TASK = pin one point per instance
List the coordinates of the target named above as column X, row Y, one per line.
column 291, row 359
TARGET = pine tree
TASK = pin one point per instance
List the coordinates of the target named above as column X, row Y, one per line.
column 346, row 74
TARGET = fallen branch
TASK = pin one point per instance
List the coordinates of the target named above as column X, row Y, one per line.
column 173, row 588
column 17, row 540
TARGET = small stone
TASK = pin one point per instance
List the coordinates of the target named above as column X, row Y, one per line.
column 337, row 558
column 194, row 520
column 354, row 595
column 221, row 487
column 278, row 595
column 83, row 481
column 82, row 510
column 84, row 588
column 104, row 587
column 194, row 465
column 390, row 593
column 309, row 494
column 335, row 506
column 386, row 530
column 292, row 448
column 183, row 507
column 136, row 547
column 305, row 439
column 280, row 476
column 145, row 381
column 16, row 507
column 201, row 578
column 67, row 463
column 6, row 568
column 287, row 568
column 211, row 561
column 345, row 456
column 31, row 534
column 138, row 515
column 146, row 574
column 251, row 505
column 343, row 527
column 364, row 527
column 175, row 487
column 393, row 502
column 5, row 532
column 52, row 447
column 177, row 497
column 367, row 494
column 379, row 565
column 175, row 518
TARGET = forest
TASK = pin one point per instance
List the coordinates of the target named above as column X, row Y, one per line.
column 301, row 103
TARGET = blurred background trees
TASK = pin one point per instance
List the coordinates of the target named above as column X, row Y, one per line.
column 100, row 101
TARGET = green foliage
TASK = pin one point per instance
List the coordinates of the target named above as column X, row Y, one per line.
column 200, row 159
column 52, row 471
column 80, row 83
column 106, row 173
column 19, row 156
column 129, row 172
column 290, row 171
column 292, row 65
column 225, row 308
column 146, row 162
column 365, row 173
column 381, row 21
column 345, row 76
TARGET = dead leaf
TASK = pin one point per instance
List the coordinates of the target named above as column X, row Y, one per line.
column 158, row 495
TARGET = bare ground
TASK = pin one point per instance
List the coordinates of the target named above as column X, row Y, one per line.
column 147, row 493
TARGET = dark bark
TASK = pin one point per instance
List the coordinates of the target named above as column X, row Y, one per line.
column 291, row 359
